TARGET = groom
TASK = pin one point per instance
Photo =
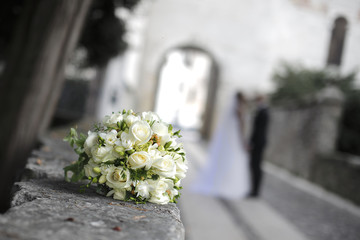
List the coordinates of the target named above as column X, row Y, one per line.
column 258, row 144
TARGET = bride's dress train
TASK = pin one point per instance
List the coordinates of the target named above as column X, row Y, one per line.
column 226, row 172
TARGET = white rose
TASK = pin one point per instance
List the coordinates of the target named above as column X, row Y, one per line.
column 160, row 191
column 159, row 199
column 90, row 141
column 118, row 178
column 111, row 138
column 131, row 119
column 119, row 194
column 113, row 119
column 139, row 160
column 154, row 153
column 162, row 130
column 165, row 139
column 169, row 184
column 89, row 169
column 165, row 166
column 141, row 131
column 102, row 154
column 181, row 166
column 127, row 141
column 143, row 189
column 172, row 192
column 173, row 144
column 150, row 116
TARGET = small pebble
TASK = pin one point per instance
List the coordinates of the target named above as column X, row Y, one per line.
column 117, row 229
column 39, row 161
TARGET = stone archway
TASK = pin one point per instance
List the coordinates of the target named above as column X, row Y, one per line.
column 186, row 88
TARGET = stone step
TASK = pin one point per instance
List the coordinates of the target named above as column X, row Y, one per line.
column 266, row 223
column 243, row 219
column 206, row 218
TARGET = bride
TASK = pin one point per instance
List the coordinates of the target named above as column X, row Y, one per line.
column 226, row 173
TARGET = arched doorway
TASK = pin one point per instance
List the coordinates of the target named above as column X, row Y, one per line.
column 186, row 89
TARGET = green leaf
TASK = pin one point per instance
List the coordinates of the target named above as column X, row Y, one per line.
column 119, row 162
column 167, row 145
column 79, row 150
column 72, row 137
column 132, row 197
column 123, row 125
column 170, row 128
column 177, row 133
column 77, row 169
column 155, row 177
column 151, row 123
column 102, row 189
column 178, row 188
column 129, row 152
column 138, row 174
column 78, row 172
column 101, row 141
column 81, row 140
column 128, row 195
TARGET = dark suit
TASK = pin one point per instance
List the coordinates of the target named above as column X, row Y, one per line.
column 257, row 145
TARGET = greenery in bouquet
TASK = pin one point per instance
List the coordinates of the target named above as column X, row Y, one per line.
column 130, row 156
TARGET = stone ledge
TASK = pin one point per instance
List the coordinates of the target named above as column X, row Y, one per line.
column 44, row 206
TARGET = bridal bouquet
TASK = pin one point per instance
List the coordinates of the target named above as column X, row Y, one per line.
column 130, row 156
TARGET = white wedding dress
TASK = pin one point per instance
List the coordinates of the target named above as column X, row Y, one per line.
column 226, row 173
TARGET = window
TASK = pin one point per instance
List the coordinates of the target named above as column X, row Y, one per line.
column 337, row 41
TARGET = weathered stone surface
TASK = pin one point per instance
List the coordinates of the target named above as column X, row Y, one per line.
column 298, row 134
column 47, row 207
column 339, row 173
column 54, row 209
column 49, row 160
column 302, row 140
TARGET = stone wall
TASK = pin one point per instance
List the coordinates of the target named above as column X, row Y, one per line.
column 44, row 206
column 338, row 173
column 298, row 133
column 302, row 140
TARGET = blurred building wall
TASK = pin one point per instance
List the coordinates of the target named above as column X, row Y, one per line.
column 248, row 40
column 116, row 93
